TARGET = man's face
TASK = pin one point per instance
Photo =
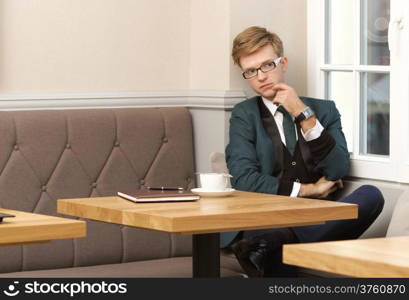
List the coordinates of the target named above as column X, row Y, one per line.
column 262, row 83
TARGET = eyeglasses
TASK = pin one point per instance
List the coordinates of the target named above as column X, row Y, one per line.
column 266, row 67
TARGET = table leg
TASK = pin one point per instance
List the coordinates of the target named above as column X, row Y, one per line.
column 206, row 255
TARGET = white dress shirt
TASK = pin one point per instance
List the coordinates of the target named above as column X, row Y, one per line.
column 310, row 135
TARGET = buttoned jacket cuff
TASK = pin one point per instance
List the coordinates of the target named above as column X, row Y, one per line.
column 313, row 133
column 296, row 189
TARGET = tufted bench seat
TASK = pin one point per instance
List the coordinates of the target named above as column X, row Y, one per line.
column 53, row 154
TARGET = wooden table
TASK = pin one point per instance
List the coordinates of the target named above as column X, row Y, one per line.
column 27, row 228
column 379, row 257
column 206, row 218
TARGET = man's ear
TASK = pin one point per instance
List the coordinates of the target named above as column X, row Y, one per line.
column 284, row 63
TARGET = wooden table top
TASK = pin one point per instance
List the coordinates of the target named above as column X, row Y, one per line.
column 27, row 228
column 378, row 257
column 241, row 210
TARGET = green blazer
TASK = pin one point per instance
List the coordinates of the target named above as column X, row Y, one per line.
column 251, row 157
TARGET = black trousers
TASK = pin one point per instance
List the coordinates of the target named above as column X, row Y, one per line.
column 370, row 204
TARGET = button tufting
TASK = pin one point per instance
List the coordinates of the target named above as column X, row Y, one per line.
column 165, row 140
column 16, row 147
column 68, row 146
column 44, row 188
column 94, row 184
column 117, row 144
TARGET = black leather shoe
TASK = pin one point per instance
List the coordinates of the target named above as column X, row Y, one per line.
column 251, row 256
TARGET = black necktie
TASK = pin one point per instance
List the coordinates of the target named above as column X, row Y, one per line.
column 289, row 130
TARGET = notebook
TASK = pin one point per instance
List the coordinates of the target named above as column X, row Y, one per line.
column 146, row 195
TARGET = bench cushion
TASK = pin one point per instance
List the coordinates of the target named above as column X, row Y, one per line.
column 53, row 154
column 166, row 268
column 399, row 224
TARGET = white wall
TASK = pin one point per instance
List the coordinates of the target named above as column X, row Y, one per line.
column 93, row 45
column 131, row 45
column 209, row 44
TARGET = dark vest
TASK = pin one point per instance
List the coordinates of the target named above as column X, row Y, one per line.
column 293, row 170
column 299, row 167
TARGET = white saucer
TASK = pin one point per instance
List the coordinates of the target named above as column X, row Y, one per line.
column 207, row 193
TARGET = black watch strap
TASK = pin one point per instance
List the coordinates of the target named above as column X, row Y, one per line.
column 305, row 114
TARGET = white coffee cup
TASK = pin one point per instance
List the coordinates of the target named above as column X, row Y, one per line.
column 214, row 181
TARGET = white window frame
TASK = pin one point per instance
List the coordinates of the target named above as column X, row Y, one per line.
column 395, row 167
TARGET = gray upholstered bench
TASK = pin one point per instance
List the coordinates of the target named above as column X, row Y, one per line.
column 53, row 154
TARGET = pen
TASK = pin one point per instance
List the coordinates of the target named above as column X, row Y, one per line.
column 163, row 188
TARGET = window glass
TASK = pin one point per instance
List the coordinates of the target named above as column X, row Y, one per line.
column 374, row 32
column 374, row 113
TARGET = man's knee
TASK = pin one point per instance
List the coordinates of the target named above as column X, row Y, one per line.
column 372, row 200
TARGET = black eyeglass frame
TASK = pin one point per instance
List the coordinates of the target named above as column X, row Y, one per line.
column 275, row 62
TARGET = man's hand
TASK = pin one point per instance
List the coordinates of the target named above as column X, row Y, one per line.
column 288, row 98
column 321, row 189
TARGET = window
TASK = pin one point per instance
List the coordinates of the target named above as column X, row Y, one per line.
column 369, row 83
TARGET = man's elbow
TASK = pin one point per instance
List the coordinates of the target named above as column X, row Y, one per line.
column 338, row 170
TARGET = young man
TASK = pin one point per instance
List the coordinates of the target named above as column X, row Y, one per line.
column 284, row 144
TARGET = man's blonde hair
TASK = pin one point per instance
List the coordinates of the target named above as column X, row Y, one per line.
column 252, row 39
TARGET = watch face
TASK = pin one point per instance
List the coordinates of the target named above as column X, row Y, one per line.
column 305, row 114
column 308, row 113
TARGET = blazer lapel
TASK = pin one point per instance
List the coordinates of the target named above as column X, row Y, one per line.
column 270, row 126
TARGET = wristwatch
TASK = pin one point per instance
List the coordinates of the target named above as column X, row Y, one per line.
column 304, row 115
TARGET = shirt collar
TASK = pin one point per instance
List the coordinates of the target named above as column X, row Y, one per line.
column 270, row 105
